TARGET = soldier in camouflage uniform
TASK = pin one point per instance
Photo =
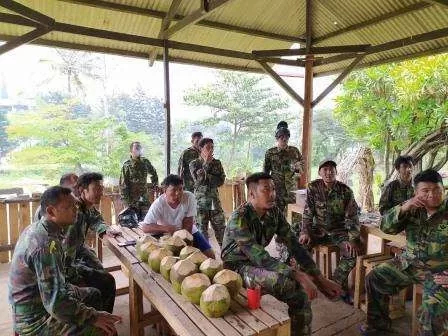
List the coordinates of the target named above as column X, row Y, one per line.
column 186, row 157
column 331, row 217
column 43, row 303
column 83, row 266
column 285, row 164
column 208, row 175
column 249, row 230
column 133, row 181
column 401, row 189
column 424, row 218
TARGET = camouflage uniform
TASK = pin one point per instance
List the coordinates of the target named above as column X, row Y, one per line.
column 133, row 184
column 279, row 163
column 83, row 267
column 331, row 217
column 43, row 303
column 183, row 169
column 207, row 196
column 245, row 238
column 396, row 192
column 426, row 255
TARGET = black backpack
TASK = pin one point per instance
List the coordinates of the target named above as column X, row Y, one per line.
column 128, row 218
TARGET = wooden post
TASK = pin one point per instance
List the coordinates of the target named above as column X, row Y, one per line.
column 135, row 307
column 4, row 256
column 166, row 72
column 307, row 121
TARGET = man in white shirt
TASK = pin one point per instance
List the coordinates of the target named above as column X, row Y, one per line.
column 174, row 210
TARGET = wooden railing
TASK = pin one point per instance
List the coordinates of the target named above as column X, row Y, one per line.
column 17, row 213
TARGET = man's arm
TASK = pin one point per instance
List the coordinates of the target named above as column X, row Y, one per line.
column 267, row 163
column 157, row 228
column 96, row 222
column 393, row 220
column 180, row 165
column 152, row 171
column 352, row 218
column 215, row 179
column 124, row 186
column 187, row 223
column 308, row 212
column 385, row 198
column 197, row 173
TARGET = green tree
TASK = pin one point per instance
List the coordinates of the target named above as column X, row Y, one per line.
column 245, row 112
column 395, row 107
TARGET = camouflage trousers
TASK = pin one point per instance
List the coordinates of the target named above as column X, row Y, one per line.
column 216, row 219
column 388, row 279
column 284, row 289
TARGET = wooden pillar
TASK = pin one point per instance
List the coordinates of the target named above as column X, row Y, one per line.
column 307, row 120
column 166, row 73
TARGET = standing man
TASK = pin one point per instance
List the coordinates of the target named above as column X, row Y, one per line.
column 250, row 229
column 186, row 157
column 401, row 189
column 285, row 164
column 331, row 217
column 83, row 266
column 133, row 180
column 424, row 218
column 43, row 303
column 208, row 175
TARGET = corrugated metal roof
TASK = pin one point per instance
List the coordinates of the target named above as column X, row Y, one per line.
column 239, row 25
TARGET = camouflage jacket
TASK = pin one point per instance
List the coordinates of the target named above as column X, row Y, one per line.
column 86, row 219
column 396, row 192
column 133, row 180
column 279, row 163
column 183, row 169
column 426, row 238
column 37, row 285
column 246, row 236
column 332, row 211
column 206, row 185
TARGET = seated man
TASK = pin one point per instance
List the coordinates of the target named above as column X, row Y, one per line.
column 174, row 210
column 424, row 218
column 250, row 229
column 401, row 189
column 331, row 217
column 43, row 303
column 83, row 266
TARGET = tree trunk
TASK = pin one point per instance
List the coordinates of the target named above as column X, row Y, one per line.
column 386, row 155
column 366, row 165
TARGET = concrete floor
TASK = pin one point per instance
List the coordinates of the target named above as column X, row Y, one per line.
column 329, row 318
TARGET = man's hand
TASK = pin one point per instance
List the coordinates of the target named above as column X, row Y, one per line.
column 352, row 248
column 413, row 203
column 106, row 322
column 114, row 230
column 304, row 239
column 330, row 288
column 441, row 279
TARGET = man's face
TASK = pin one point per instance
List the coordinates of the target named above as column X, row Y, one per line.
column 174, row 194
column 282, row 141
column 136, row 150
column 64, row 212
column 195, row 141
column 405, row 171
column 430, row 193
column 207, row 150
column 328, row 173
column 93, row 192
column 263, row 195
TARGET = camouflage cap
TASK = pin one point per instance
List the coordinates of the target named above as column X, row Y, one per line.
column 327, row 162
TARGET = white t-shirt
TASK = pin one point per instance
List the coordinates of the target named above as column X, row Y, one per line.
column 162, row 213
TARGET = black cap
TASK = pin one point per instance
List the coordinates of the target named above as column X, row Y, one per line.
column 327, row 162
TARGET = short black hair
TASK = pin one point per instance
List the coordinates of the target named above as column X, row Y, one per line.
column 403, row 159
column 66, row 177
column 196, row 135
column 85, row 179
column 132, row 144
column 52, row 196
column 282, row 124
column 256, row 177
column 204, row 141
column 429, row 175
column 172, row 180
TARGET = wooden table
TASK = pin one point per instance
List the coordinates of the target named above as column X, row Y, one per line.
column 186, row 318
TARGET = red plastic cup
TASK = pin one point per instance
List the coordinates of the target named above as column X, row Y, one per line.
column 253, row 298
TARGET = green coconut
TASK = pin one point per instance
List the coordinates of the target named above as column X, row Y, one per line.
column 163, row 238
column 197, row 257
column 215, row 300
column 210, row 267
column 156, row 256
column 193, row 286
column 230, row 279
column 174, row 244
column 165, row 266
column 186, row 236
column 145, row 249
column 186, row 251
column 179, row 271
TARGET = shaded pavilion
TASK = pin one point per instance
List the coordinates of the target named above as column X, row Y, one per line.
column 334, row 36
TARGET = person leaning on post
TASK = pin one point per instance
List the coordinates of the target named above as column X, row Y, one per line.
column 249, row 230
column 186, row 157
column 43, row 303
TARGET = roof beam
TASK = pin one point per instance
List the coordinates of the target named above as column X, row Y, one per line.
column 312, row 50
column 27, row 12
column 335, row 59
column 26, row 38
column 207, row 7
column 373, row 21
column 204, row 23
column 439, row 2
